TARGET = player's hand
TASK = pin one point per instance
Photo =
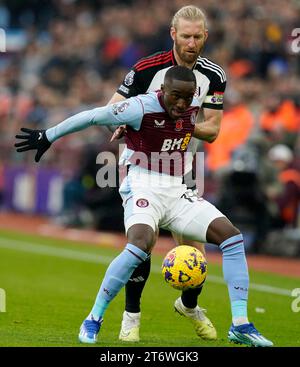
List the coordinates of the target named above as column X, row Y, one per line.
column 119, row 133
column 33, row 139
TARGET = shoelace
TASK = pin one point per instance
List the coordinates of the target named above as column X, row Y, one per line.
column 130, row 322
column 252, row 330
column 249, row 329
column 199, row 312
column 92, row 325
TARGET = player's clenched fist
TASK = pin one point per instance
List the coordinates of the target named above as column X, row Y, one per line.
column 33, row 139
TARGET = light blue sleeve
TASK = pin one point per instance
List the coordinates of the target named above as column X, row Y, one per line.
column 129, row 112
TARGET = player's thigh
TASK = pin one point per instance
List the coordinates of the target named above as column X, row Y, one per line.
column 191, row 217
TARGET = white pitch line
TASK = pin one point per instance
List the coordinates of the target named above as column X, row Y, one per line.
column 64, row 253
column 257, row 287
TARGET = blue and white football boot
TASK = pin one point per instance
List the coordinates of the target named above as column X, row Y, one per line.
column 89, row 330
column 249, row 335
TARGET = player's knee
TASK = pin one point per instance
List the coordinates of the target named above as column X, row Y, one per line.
column 220, row 230
column 141, row 236
column 233, row 231
column 228, row 232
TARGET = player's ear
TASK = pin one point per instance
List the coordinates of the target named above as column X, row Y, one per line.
column 172, row 33
column 162, row 87
column 205, row 35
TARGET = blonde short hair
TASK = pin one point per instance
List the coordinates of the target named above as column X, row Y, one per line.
column 189, row 12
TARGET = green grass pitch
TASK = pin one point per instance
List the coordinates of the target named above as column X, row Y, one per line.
column 50, row 286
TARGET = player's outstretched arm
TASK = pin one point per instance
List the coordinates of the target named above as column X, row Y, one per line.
column 33, row 139
column 117, row 114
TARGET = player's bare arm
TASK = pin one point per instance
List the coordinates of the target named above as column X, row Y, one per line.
column 116, row 98
column 120, row 130
column 208, row 130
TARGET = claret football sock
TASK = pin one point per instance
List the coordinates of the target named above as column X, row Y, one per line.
column 235, row 271
column 116, row 276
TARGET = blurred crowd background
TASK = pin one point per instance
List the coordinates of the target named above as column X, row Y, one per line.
column 65, row 56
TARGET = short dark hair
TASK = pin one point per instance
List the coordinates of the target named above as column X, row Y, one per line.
column 179, row 72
